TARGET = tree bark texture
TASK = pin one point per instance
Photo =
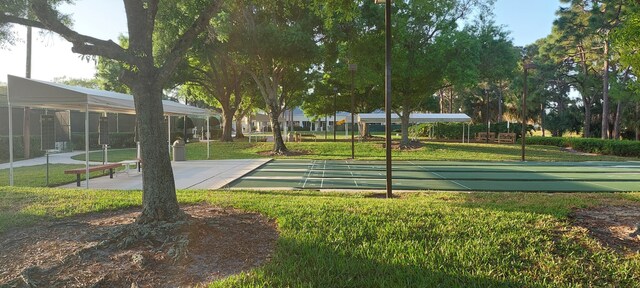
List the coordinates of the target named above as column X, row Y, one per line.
column 159, row 197
column 404, row 119
column 605, row 92
column 278, row 143
column 239, row 132
column 227, row 123
column 618, row 121
column 542, row 119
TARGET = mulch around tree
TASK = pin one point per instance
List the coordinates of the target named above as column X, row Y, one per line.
column 611, row 225
column 109, row 250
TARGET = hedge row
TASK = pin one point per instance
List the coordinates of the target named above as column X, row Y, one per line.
column 116, row 140
column 18, row 148
column 625, row 148
column 454, row 130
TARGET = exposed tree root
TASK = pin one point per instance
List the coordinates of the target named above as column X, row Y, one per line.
column 117, row 252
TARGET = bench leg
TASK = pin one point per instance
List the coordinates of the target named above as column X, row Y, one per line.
column 111, row 173
column 78, row 179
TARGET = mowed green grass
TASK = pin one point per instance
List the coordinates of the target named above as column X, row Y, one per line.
column 373, row 151
column 419, row 240
column 35, row 176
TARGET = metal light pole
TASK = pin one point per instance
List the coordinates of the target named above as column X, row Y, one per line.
column 526, row 66
column 335, row 95
column 353, row 68
column 387, row 90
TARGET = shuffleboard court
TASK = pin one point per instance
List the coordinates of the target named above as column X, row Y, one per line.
column 451, row 176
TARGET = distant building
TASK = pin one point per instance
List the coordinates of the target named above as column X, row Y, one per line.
column 294, row 118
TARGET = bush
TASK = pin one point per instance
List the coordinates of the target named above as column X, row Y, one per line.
column 548, row 141
column 18, row 148
column 454, row 130
column 122, row 140
column 625, row 148
column 77, row 140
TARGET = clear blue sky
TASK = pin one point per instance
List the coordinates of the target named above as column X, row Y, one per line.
column 52, row 57
column 528, row 21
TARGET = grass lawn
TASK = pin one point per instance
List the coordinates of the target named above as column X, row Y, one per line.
column 374, row 151
column 420, row 240
column 35, row 176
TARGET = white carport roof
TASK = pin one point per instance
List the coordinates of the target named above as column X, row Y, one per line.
column 415, row 118
column 23, row 92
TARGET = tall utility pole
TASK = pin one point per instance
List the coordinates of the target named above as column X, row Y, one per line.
column 26, row 118
column 353, row 68
column 526, row 65
column 387, row 93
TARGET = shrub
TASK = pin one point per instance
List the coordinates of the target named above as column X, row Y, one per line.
column 18, row 147
column 454, row 130
column 623, row 148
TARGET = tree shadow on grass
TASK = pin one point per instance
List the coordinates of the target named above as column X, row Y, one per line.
column 308, row 264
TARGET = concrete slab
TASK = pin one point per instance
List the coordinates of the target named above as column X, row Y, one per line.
column 201, row 174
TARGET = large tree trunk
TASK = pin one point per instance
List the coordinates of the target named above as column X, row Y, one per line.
column 605, row 92
column 542, row 119
column 500, row 112
column 586, row 130
column 617, row 122
column 441, row 99
column 486, row 114
column 404, row 120
column 227, row 123
column 159, row 201
column 278, row 143
column 239, row 133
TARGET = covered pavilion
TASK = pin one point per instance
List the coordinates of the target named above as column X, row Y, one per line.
column 419, row 118
column 23, row 92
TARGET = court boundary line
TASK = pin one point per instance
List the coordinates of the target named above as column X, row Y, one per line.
column 352, row 176
column 313, row 165
column 441, row 177
column 334, row 165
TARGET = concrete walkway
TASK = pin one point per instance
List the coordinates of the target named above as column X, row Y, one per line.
column 57, row 158
column 197, row 174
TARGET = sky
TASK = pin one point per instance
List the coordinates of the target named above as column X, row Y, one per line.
column 52, row 57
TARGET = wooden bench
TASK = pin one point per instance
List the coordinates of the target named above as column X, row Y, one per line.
column 482, row 136
column 307, row 136
column 79, row 171
column 507, row 138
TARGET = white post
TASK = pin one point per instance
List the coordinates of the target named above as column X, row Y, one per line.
column 469, row 132
column 10, row 141
column 208, row 139
column 106, row 146
column 86, row 144
column 346, row 129
column 69, row 128
column 463, row 132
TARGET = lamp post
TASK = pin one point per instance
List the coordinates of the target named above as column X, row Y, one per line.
column 335, row 95
column 353, row 68
column 526, row 66
column 387, row 90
